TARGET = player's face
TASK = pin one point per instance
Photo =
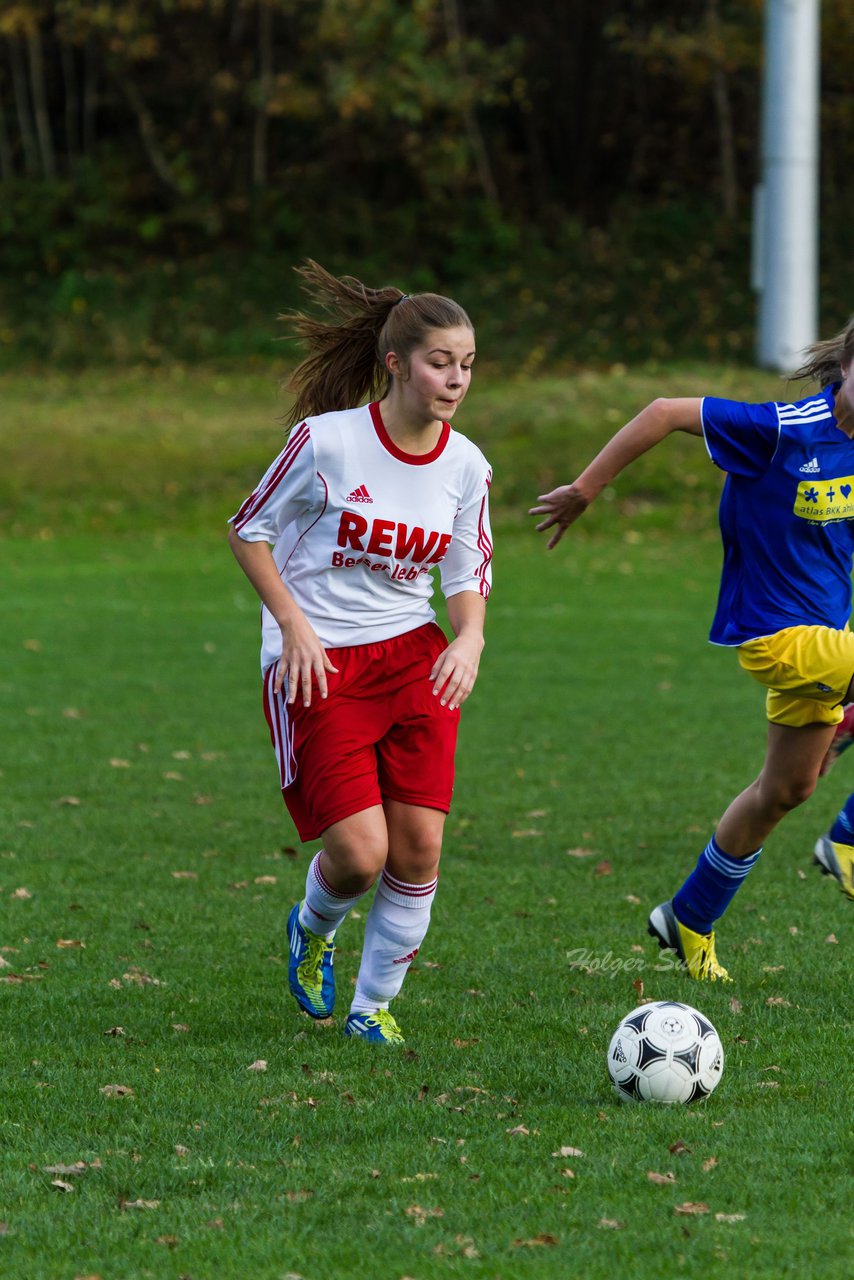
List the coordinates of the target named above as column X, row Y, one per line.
column 439, row 373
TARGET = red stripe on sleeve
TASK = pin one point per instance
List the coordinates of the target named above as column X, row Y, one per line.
column 262, row 494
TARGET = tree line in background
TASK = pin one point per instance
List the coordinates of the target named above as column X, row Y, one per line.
column 455, row 138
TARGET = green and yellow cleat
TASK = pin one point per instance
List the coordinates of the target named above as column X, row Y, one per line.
column 695, row 950
column 379, row 1027
column 310, row 975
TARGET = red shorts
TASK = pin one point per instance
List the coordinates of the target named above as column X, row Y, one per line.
column 381, row 734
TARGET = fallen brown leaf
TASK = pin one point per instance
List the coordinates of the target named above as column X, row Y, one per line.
column 579, row 853
column 117, row 1091
column 679, row 1148
column 691, row 1208
column 535, row 1242
column 567, row 1151
column 466, row 1248
column 69, row 942
column 420, row 1214
column 60, row 1185
column 139, row 1204
column 611, row 1224
column 136, row 976
column 661, row 1179
column 711, row 1163
column 260, row 1064
column 779, row 1000
column 602, row 868
column 730, row 1217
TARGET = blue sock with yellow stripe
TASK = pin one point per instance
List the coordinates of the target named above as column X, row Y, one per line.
column 711, row 887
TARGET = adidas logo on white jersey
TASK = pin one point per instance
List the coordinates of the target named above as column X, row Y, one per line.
column 810, row 468
column 359, row 495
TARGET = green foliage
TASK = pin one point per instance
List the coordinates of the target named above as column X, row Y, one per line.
column 586, row 170
column 656, row 283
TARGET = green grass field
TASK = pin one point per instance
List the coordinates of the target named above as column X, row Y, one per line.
column 147, row 867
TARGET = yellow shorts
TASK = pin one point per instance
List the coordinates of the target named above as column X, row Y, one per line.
column 806, row 670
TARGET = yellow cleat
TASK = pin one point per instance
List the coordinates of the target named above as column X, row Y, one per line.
column 695, row 950
column 836, row 860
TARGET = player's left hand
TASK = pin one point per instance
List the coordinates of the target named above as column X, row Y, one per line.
column 561, row 507
column 455, row 671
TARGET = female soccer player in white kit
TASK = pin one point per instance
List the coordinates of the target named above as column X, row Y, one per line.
column 362, row 690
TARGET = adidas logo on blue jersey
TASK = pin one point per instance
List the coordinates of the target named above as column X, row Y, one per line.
column 811, row 468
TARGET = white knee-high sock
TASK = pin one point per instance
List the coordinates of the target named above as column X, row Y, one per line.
column 397, row 923
column 324, row 907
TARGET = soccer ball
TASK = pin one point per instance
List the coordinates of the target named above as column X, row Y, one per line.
column 665, row 1052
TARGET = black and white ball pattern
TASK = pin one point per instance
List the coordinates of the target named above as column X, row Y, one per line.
column 665, row 1052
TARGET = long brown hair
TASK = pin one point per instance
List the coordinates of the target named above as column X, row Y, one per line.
column 826, row 358
column 346, row 360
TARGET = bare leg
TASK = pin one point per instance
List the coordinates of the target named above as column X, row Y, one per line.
column 355, row 851
column 414, row 841
column 788, row 777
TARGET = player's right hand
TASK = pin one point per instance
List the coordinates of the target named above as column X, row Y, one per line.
column 303, row 660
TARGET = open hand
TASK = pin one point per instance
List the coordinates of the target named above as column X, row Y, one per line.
column 561, row 507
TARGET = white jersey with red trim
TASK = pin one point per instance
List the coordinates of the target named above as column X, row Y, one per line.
column 357, row 525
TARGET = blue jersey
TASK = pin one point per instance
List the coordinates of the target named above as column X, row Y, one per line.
column 786, row 515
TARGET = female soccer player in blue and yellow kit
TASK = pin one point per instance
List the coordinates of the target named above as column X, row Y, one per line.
column 787, row 523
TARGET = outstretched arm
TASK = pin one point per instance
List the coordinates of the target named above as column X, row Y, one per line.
column 564, row 505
